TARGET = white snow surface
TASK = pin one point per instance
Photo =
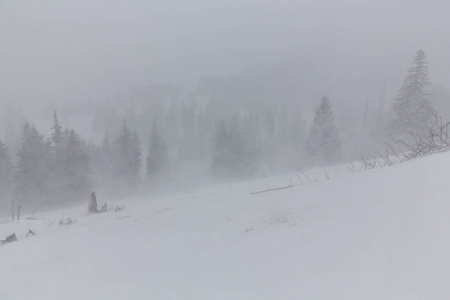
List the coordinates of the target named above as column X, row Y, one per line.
column 379, row 234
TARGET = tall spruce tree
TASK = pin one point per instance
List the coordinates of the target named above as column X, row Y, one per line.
column 413, row 111
column 128, row 158
column 323, row 143
column 75, row 168
column 57, row 140
column 6, row 172
column 57, row 135
column 157, row 159
column 102, row 158
column 33, row 167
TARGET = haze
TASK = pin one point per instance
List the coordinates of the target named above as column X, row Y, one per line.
column 222, row 88
column 217, row 149
column 70, row 50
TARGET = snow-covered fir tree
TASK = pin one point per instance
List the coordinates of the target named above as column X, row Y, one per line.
column 413, row 111
column 323, row 144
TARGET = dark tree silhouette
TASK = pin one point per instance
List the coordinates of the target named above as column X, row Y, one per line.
column 323, row 144
column 6, row 172
column 127, row 157
column 32, row 177
column 157, row 160
column 413, row 110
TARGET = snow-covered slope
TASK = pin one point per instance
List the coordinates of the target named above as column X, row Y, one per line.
column 380, row 234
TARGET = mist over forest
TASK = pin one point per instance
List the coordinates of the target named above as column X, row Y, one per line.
column 127, row 98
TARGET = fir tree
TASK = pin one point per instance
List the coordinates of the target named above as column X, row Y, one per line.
column 323, row 144
column 128, row 157
column 57, row 141
column 33, row 167
column 414, row 113
column 102, row 161
column 236, row 148
column 76, row 169
column 6, row 171
column 135, row 158
column 222, row 153
column 157, row 160
column 57, row 136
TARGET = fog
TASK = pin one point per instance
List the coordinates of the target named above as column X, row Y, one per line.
column 65, row 50
column 99, row 62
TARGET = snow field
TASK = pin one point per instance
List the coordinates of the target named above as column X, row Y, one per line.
column 380, row 234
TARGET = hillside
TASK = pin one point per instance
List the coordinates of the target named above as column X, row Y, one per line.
column 380, row 234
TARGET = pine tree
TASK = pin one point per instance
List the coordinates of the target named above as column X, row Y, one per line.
column 235, row 145
column 102, row 159
column 192, row 141
column 6, row 172
column 57, row 137
column 128, row 159
column 76, row 168
column 414, row 112
column 323, row 144
column 33, row 167
column 236, row 148
column 135, row 158
column 222, row 152
column 157, row 160
column 57, row 141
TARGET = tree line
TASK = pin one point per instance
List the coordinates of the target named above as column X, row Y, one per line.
column 64, row 167
column 227, row 141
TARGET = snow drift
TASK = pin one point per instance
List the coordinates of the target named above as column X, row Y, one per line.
column 380, row 234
